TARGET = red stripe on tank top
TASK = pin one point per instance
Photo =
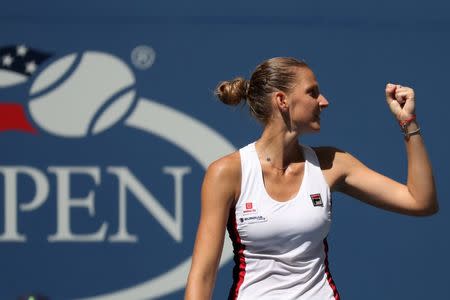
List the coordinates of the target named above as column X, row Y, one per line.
column 327, row 272
column 239, row 259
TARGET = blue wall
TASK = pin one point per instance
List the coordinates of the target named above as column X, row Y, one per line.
column 354, row 48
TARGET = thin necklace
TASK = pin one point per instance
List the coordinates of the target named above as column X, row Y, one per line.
column 269, row 160
column 278, row 168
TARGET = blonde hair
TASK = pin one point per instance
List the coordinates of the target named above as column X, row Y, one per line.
column 275, row 74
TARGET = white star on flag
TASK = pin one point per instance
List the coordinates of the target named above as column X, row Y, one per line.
column 18, row 63
column 7, row 60
column 21, row 50
column 30, row 67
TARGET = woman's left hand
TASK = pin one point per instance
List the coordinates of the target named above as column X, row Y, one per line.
column 401, row 101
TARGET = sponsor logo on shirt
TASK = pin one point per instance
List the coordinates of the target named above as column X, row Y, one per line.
column 249, row 208
column 316, row 199
column 253, row 219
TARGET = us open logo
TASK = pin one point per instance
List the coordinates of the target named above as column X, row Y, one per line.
column 69, row 188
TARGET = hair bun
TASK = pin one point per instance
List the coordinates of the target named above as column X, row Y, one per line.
column 232, row 92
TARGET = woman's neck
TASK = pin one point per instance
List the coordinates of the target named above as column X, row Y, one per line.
column 279, row 147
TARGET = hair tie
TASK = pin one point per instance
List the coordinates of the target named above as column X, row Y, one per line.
column 246, row 87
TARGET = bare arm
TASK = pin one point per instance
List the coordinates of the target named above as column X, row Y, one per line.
column 220, row 188
column 418, row 195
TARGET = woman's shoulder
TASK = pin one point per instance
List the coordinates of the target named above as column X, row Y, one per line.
column 224, row 175
column 228, row 165
column 334, row 163
column 331, row 157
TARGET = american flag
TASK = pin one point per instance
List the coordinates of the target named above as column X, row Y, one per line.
column 17, row 64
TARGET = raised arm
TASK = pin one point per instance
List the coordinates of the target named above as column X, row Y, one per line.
column 418, row 195
column 220, row 187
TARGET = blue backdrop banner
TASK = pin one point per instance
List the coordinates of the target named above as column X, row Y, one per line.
column 108, row 122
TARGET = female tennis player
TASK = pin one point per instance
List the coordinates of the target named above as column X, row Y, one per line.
column 274, row 195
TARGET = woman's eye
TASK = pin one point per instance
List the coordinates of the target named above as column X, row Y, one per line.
column 314, row 94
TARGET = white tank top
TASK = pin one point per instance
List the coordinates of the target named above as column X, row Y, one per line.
column 280, row 247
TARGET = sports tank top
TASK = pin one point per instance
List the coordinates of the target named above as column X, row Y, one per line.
column 280, row 248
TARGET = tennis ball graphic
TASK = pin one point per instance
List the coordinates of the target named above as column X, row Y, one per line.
column 73, row 99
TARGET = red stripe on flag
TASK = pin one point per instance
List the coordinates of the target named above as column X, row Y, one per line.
column 12, row 117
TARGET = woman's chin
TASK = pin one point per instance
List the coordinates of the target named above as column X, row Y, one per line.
column 315, row 126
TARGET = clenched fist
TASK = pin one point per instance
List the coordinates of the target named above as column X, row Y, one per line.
column 401, row 101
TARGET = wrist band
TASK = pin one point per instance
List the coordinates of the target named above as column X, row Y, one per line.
column 406, row 122
column 408, row 134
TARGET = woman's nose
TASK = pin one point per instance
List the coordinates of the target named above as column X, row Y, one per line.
column 323, row 102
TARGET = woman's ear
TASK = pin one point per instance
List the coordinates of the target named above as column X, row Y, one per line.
column 281, row 101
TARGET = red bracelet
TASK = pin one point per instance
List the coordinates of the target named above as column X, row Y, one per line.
column 404, row 123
